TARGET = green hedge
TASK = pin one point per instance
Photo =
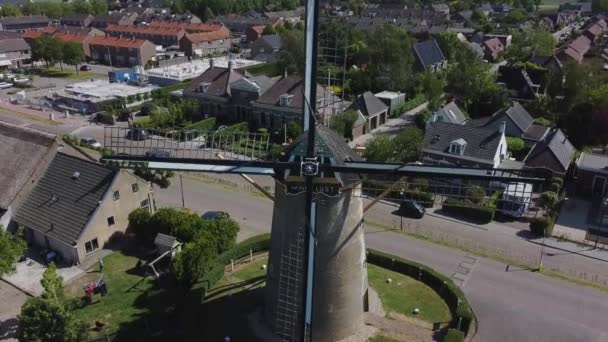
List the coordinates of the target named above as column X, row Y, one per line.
column 474, row 212
column 424, row 198
column 540, row 225
column 239, row 127
column 454, row 335
column 442, row 285
column 413, row 103
column 205, row 125
column 415, row 191
column 256, row 244
column 106, row 118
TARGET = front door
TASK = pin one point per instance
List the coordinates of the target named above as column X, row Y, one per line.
column 599, row 184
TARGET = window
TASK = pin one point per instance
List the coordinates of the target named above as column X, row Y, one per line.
column 144, row 204
column 116, row 195
column 457, row 146
column 135, row 187
column 111, row 221
column 91, row 246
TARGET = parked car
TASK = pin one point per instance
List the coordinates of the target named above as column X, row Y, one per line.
column 90, row 142
column 158, row 154
column 413, row 209
column 213, row 215
column 85, row 67
column 137, row 134
column 4, row 85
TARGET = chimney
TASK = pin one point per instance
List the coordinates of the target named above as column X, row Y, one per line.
column 502, row 127
column 285, row 73
column 434, row 117
column 230, row 62
column 210, row 63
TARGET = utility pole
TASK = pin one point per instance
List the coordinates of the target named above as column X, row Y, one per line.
column 181, row 184
column 542, row 252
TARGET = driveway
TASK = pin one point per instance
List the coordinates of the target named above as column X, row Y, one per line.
column 392, row 127
column 12, row 300
column 573, row 219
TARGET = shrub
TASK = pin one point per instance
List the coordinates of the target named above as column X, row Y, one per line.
column 454, row 335
column 442, row 285
column 515, row 145
column 554, row 187
column 424, row 198
column 540, row 226
column 548, row 199
column 475, row 194
column 106, row 118
column 421, row 118
column 476, row 213
column 205, row 125
column 239, row 127
column 263, row 130
column 412, row 103
column 557, row 180
column 139, row 219
column 421, row 184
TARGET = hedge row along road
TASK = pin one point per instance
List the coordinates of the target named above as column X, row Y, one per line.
column 510, row 306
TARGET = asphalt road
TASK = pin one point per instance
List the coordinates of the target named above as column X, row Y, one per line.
column 517, row 305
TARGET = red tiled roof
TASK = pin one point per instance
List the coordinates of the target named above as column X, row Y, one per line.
column 117, row 42
column 494, row 45
column 33, row 34
column 259, row 28
column 71, row 37
column 222, row 33
column 157, row 30
column 580, row 44
column 190, row 27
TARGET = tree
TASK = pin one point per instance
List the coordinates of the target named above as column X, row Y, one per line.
column 379, row 149
column 9, row 10
column 291, row 57
column 44, row 320
column 269, row 30
column 431, row 84
column 11, row 248
column 52, row 9
column 223, row 230
column 344, row 123
column 72, row 54
column 49, row 49
column 195, row 259
column 449, row 44
column 475, row 194
column 158, row 177
column 517, row 15
column 599, row 6
column 52, row 283
column 391, row 58
column 525, row 44
column 515, row 145
column 548, row 199
column 404, row 148
column 139, row 221
column 82, row 6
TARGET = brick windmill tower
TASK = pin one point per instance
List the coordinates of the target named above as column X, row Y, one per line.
column 339, row 268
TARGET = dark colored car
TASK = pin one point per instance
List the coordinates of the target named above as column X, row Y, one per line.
column 85, row 67
column 158, row 154
column 411, row 209
column 212, row 215
column 137, row 134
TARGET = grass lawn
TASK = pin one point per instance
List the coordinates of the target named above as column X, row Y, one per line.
column 31, row 117
column 268, row 69
column 405, row 293
column 381, row 338
column 68, row 72
column 552, row 4
column 245, row 276
column 129, row 294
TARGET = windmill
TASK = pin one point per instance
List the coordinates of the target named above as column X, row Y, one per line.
column 319, row 177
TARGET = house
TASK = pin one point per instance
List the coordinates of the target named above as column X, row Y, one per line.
column 519, row 83
column 448, row 144
column 441, row 8
column 24, row 156
column 116, row 51
column 157, row 35
column 429, row 56
column 551, row 63
column 394, row 100
column 505, row 39
column 553, row 153
column 267, row 48
column 502, row 9
column 449, row 112
column 14, row 52
column 23, row 23
column 254, row 32
column 78, row 205
column 212, row 43
column 486, row 9
column 101, row 21
column 187, row 26
column 373, row 110
column 596, row 29
column 77, row 19
column 591, row 174
column 518, row 123
column 492, row 49
column 238, row 24
column 582, row 8
column 292, row 16
column 575, row 51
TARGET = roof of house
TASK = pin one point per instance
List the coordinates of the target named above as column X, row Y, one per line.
column 71, row 37
column 368, row 104
column 273, row 40
column 221, row 33
column 258, row 28
column 285, row 14
column 219, row 80
column 189, row 27
column 259, row 83
column 517, row 80
column 13, row 44
column 66, row 196
column 117, row 42
column 452, row 112
column 536, row 132
column 109, row 18
column 144, row 29
column 545, row 60
column 287, row 85
column 76, row 17
column 10, row 34
column 481, row 143
column 597, row 28
column 556, row 143
column 36, row 33
column 592, row 161
column 578, row 47
column 494, row 45
column 26, row 19
column 518, row 114
column 428, row 53
column 164, row 240
column 23, row 149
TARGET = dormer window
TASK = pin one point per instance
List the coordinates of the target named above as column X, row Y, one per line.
column 457, row 146
column 285, row 100
column 203, row 87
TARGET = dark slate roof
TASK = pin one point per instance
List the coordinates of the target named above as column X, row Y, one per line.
column 263, row 82
column 273, row 40
column 113, row 18
column 518, row 114
column 13, row 45
column 591, row 161
column 26, row 19
column 452, row 113
column 428, row 53
column 23, row 150
column 164, row 240
column 369, row 105
column 556, row 143
column 544, row 60
column 482, row 143
column 287, row 85
column 10, row 34
column 219, row 80
column 76, row 17
column 536, row 132
column 75, row 198
column 518, row 81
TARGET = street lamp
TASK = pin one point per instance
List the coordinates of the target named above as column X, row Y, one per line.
column 542, row 251
column 402, row 192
